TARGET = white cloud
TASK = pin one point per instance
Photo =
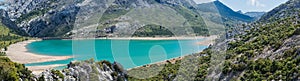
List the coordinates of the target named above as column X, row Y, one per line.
column 203, row 1
column 256, row 3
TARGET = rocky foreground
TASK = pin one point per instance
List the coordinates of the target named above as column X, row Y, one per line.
column 86, row 71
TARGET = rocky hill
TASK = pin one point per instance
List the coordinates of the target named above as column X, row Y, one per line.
column 88, row 70
column 255, row 15
column 11, row 71
column 42, row 17
column 225, row 11
column 267, row 50
column 68, row 18
column 52, row 18
column 290, row 8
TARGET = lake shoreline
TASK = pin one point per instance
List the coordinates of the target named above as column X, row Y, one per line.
column 19, row 53
column 132, row 38
column 27, row 57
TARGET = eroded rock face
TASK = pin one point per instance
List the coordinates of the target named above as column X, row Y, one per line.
column 53, row 18
column 87, row 71
column 43, row 18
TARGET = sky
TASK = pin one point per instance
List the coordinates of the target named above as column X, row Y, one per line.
column 249, row 5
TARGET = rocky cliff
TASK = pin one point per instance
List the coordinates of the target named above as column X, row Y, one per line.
column 87, row 71
column 53, row 18
column 43, row 17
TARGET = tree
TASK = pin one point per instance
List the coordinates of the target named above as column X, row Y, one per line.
column 5, row 48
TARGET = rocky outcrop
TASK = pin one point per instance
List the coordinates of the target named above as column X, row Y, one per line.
column 55, row 18
column 288, row 9
column 10, row 24
column 41, row 18
column 87, row 71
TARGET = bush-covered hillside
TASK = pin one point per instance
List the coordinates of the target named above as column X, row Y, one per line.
column 267, row 51
column 11, row 71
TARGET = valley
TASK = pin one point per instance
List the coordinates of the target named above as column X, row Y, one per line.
column 147, row 40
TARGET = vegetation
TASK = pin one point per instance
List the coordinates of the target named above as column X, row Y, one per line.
column 31, row 15
column 170, row 71
column 246, row 54
column 247, row 57
column 11, row 71
column 194, row 19
column 57, row 75
column 113, row 12
column 152, row 31
column 265, row 52
column 7, row 37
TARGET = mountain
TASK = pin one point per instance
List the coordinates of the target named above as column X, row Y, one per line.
column 240, row 11
column 10, row 24
column 224, row 11
column 256, row 15
column 68, row 18
column 88, row 70
column 288, row 9
column 10, row 71
column 267, row 50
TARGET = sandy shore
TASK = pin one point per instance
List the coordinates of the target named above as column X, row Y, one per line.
column 18, row 53
column 36, row 70
column 147, row 38
column 208, row 40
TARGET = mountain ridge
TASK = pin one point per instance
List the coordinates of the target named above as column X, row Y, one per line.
column 225, row 11
column 289, row 8
column 256, row 15
column 57, row 18
column 267, row 50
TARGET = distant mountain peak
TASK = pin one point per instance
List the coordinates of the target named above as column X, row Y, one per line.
column 256, row 15
column 224, row 11
column 288, row 9
column 217, row 1
column 240, row 11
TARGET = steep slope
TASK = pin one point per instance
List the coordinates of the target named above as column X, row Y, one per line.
column 10, row 24
column 225, row 12
column 269, row 50
column 290, row 8
column 9, row 70
column 255, row 15
column 88, row 70
column 43, row 18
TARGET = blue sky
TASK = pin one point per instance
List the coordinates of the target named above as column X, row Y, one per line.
column 249, row 5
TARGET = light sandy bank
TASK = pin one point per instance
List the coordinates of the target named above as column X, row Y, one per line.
column 148, row 38
column 19, row 53
column 36, row 70
column 208, row 40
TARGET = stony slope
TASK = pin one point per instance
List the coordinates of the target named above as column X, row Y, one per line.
column 255, row 15
column 224, row 11
column 88, row 70
column 68, row 18
column 44, row 18
column 268, row 50
column 290, row 8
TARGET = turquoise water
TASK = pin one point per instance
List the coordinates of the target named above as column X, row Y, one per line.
column 130, row 53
